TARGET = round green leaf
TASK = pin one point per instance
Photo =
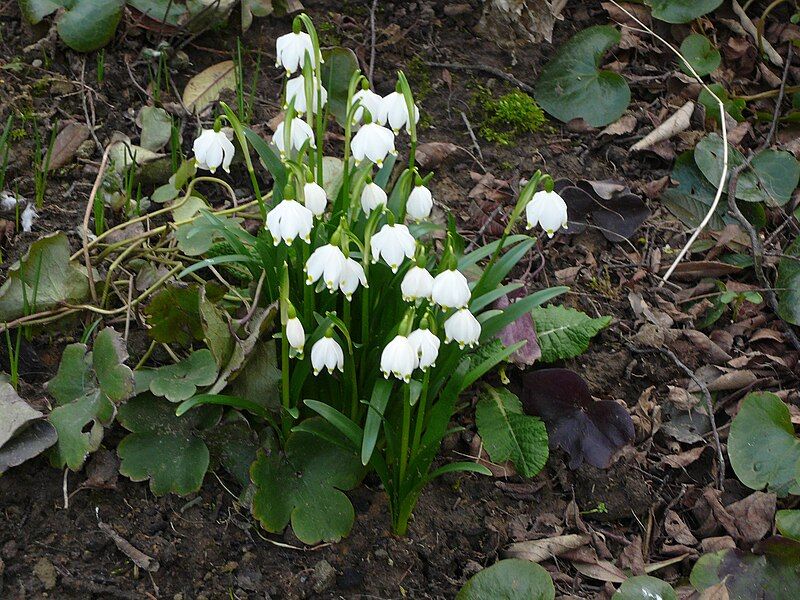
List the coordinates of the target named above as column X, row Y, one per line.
column 305, row 485
column 644, row 587
column 700, row 54
column 162, row 447
column 778, row 174
column 788, row 523
column 90, row 24
column 180, row 381
column 763, row 449
column 510, row 579
column 681, row 11
column 36, row 10
column 572, row 85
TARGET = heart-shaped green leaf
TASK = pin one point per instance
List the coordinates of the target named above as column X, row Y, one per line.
column 681, row 11
column 180, row 381
column 565, row 332
column 509, row 434
column 762, row 446
column 787, row 284
column 166, row 449
column 700, row 54
column 572, row 86
column 305, row 485
column 88, row 25
column 644, row 587
column 511, row 578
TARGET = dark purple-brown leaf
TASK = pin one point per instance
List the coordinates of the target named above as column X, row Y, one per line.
column 590, row 431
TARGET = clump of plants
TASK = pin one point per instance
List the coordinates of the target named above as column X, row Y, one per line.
column 333, row 341
column 507, row 117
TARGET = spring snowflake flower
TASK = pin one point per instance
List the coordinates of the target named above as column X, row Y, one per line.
column 295, row 334
column 352, row 274
column 9, row 201
column 27, row 217
column 372, row 196
column 417, row 283
column 296, row 90
column 394, row 112
column 393, row 243
column 291, row 50
column 426, row 345
column 328, row 262
column 372, row 142
column 316, row 200
column 399, row 358
column 420, row 203
column 462, row 328
column 299, row 133
column 368, row 100
column 326, row 353
column 548, row 210
column 290, row 220
column 212, row 149
column 451, row 289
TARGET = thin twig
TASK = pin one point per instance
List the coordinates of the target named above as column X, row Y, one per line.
column 724, row 175
column 471, row 134
column 89, row 206
column 486, row 69
column 755, row 242
column 372, row 41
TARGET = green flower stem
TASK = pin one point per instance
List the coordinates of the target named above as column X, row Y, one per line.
column 239, row 131
column 285, row 416
column 308, row 290
column 405, row 434
column 422, row 406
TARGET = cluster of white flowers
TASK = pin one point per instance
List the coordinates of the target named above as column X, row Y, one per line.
column 376, row 121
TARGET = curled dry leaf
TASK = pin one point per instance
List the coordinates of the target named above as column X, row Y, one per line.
column 205, row 87
column 540, row 550
column 67, row 143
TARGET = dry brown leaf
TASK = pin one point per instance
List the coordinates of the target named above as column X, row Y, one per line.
column 754, row 516
column 67, row 143
column 622, row 126
column 717, row 591
column 677, row 529
column 602, row 570
column 205, row 87
column 632, row 557
column 683, row 459
column 433, row 154
column 714, row 544
column 541, row 550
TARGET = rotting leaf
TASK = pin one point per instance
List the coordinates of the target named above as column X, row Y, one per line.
column 166, row 449
column 572, row 86
column 67, row 142
column 23, row 433
column 770, row 572
column 180, row 381
column 564, row 332
column 541, row 550
column 510, row 578
column 521, row 329
column 305, row 485
column 509, row 434
column 590, row 431
column 762, row 446
column 205, row 87
column 42, row 279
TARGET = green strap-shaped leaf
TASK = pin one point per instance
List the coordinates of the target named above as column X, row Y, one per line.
column 508, row 434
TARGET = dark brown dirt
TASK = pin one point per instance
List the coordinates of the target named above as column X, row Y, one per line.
column 208, row 547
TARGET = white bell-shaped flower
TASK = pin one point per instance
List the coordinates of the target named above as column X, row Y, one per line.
column 420, row 203
column 213, row 149
column 327, row 262
column 316, row 200
column 393, row 243
column 296, row 90
column 372, row 196
column 462, row 328
column 548, row 210
column 326, row 353
column 352, row 274
column 299, row 133
column 290, row 220
column 295, row 334
column 368, row 100
column 417, row 283
column 426, row 345
column 291, row 50
column 27, row 217
column 372, row 142
column 399, row 358
column 394, row 112
column 451, row 289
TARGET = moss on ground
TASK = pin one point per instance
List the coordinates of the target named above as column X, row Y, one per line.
column 507, row 117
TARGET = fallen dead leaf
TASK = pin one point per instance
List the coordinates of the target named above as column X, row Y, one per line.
column 677, row 529
column 754, row 516
column 67, row 143
column 433, row 154
column 541, row 550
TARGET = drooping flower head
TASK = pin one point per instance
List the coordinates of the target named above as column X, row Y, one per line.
column 420, row 203
column 372, row 142
column 327, row 262
column 463, row 328
column 326, row 353
column 288, row 221
column 295, row 335
column 394, row 112
column 393, row 243
column 417, row 283
column 548, row 210
column 372, row 196
column 368, row 100
column 291, row 50
column 426, row 345
column 296, row 91
column 299, row 134
column 213, row 149
column 451, row 289
column 399, row 358
column 315, row 198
